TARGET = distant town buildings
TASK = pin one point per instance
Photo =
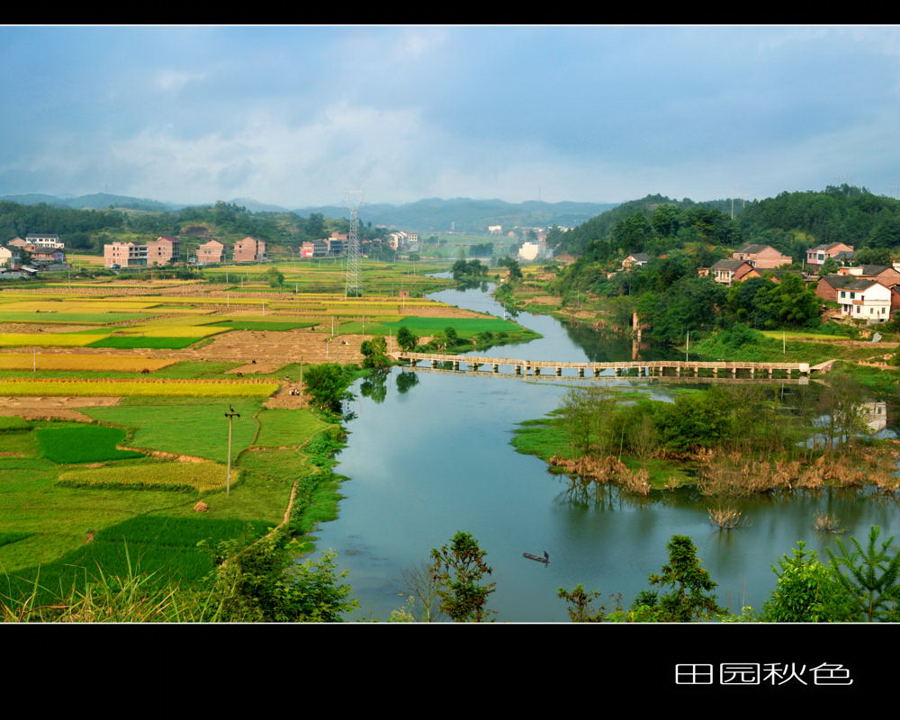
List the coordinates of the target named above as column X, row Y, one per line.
column 43, row 250
column 529, row 251
column 495, row 229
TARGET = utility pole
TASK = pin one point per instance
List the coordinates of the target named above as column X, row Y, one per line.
column 230, row 415
column 687, row 347
column 353, row 285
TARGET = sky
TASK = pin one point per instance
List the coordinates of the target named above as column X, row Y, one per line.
column 299, row 116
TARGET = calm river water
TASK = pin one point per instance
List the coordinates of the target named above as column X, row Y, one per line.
column 436, row 459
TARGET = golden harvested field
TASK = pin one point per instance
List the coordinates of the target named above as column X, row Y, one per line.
column 70, row 361
column 162, row 388
column 47, row 339
column 202, row 476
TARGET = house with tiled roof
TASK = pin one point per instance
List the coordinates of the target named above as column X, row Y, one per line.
column 867, row 300
column 816, row 257
column 885, row 274
column 635, row 260
column 762, row 257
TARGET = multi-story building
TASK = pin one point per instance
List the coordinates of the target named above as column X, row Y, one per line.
column 44, row 241
column 867, row 300
column 249, row 250
column 210, row 253
column 124, row 254
column 161, row 251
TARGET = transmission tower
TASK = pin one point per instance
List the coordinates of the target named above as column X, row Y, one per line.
column 353, row 286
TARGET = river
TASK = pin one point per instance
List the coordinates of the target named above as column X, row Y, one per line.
column 435, row 458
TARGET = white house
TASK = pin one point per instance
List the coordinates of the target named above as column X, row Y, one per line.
column 865, row 300
column 5, row 256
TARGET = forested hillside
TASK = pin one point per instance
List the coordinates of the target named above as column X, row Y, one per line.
column 88, row 230
column 791, row 222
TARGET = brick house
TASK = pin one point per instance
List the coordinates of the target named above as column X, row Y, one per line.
column 124, row 254
column 161, row 251
column 885, row 274
column 816, row 257
column 727, row 272
column 210, row 253
column 762, row 257
column 249, row 250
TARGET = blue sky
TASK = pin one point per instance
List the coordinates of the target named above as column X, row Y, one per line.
column 296, row 116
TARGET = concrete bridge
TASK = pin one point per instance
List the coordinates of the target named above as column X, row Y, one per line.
column 641, row 368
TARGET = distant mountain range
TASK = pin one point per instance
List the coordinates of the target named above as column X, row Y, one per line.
column 429, row 215
column 95, row 201
column 467, row 215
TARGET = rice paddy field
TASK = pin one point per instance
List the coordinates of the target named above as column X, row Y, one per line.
column 113, row 419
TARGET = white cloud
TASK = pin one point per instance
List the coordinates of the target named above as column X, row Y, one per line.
column 174, row 80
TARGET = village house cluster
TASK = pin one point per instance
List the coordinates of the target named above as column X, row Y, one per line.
column 37, row 252
column 869, row 293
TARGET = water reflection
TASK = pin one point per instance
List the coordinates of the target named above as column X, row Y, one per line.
column 429, row 455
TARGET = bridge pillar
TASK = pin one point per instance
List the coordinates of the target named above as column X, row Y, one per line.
column 597, row 372
column 770, row 373
column 475, row 366
column 518, row 369
column 434, row 363
column 678, row 371
column 558, row 371
column 496, row 367
column 734, row 372
column 456, row 364
column 537, row 370
column 581, row 372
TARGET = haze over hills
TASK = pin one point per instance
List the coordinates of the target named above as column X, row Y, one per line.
column 427, row 215
column 468, row 215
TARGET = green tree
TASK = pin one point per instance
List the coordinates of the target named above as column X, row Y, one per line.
column 406, row 339
column 807, row 591
column 374, row 353
column 691, row 595
column 829, row 267
column 274, row 277
column 788, row 302
column 458, row 570
column 580, row 604
column 327, row 385
column 263, row 583
column 872, row 577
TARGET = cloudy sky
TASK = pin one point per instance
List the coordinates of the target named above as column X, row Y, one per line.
column 297, row 116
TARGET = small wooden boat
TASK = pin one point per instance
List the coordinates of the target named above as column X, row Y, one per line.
column 538, row 558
